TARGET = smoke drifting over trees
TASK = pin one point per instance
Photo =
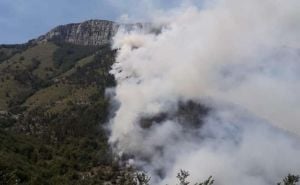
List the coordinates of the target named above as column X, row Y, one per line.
column 238, row 59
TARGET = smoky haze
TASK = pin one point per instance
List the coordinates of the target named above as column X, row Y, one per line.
column 239, row 61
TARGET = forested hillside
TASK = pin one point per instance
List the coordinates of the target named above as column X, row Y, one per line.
column 52, row 110
column 54, row 113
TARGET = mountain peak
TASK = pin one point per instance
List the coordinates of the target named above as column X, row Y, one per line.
column 91, row 32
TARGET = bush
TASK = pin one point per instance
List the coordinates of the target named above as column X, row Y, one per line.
column 66, row 56
column 290, row 180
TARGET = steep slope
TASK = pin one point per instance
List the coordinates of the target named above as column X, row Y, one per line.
column 52, row 106
column 92, row 32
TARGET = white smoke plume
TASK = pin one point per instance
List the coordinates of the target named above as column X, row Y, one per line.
column 241, row 59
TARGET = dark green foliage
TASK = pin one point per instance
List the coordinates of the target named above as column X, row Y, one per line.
column 9, row 50
column 34, row 64
column 20, row 47
column 68, row 54
column 14, row 103
column 131, row 177
column 67, row 147
column 72, row 151
column 290, row 180
column 142, row 179
column 190, row 113
column 80, row 120
column 6, row 121
column 209, row 181
column 3, row 56
column 17, row 157
column 97, row 71
column 182, row 177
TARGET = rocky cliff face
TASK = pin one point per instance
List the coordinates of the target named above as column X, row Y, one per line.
column 92, row 32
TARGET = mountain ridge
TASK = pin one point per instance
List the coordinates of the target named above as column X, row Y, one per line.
column 91, row 32
column 53, row 106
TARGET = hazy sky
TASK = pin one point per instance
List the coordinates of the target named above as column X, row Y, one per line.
column 21, row 20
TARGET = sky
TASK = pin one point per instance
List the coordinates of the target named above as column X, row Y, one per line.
column 21, row 20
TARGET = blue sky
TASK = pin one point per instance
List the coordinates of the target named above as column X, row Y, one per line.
column 21, row 20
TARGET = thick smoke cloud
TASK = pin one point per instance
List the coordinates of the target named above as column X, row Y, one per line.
column 240, row 59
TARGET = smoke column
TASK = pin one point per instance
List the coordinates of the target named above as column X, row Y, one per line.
column 240, row 59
